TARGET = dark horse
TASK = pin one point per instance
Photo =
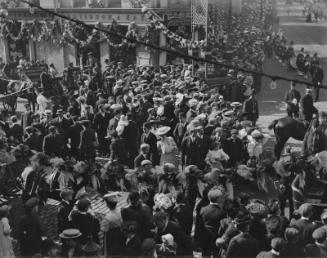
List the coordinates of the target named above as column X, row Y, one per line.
column 285, row 128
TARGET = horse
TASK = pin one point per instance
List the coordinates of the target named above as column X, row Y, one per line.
column 285, row 128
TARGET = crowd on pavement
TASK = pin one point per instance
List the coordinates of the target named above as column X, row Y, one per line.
column 177, row 146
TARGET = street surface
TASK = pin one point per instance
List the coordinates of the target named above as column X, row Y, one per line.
column 311, row 36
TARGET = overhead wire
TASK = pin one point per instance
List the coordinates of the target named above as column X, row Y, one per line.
column 175, row 52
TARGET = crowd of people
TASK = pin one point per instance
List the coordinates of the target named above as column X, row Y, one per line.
column 179, row 149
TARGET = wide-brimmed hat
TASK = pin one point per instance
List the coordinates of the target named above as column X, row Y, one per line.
column 111, row 197
column 70, row 234
column 256, row 134
column 162, row 130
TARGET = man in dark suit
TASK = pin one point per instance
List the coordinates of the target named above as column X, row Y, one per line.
column 74, row 136
column 304, row 224
column 180, row 129
column 319, row 247
column 100, row 125
column 250, row 106
column 61, row 122
column 140, row 213
column 165, row 226
column 131, row 136
column 118, row 150
column 234, row 148
column 195, row 148
column 144, row 154
column 277, row 247
column 16, row 131
column 306, row 105
column 149, row 138
column 46, row 81
column 26, row 118
column 64, row 209
column 88, row 141
column 33, row 139
column 292, row 108
column 317, row 78
column 85, row 222
column 211, row 215
column 53, row 143
column 169, row 115
column 244, row 245
column 30, row 234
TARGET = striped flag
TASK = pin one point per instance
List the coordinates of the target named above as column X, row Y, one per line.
column 199, row 12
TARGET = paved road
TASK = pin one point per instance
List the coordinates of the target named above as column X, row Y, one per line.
column 311, row 36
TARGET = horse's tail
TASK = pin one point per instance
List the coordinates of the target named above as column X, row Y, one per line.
column 272, row 125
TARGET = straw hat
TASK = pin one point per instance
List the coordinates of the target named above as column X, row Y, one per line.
column 162, row 130
column 70, row 234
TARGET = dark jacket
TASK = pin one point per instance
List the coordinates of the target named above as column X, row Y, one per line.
column 35, row 142
column 183, row 241
column 151, row 139
column 244, row 246
column 307, row 104
column 195, row 152
column 133, row 246
column 53, row 145
column 17, row 132
column 118, row 151
column 142, row 215
column 36, row 186
column 87, row 143
column 235, row 150
column 293, row 94
column 313, row 250
column 306, row 229
column 268, row 254
column 250, row 106
column 30, row 235
column 63, row 213
column 179, row 133
column 86, row 224
column 101, row 123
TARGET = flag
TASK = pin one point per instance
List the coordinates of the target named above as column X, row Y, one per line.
column 199, row 12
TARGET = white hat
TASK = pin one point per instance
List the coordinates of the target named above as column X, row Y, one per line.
column 256, row 134
column 193, row 102
column 116, row 106
column 162, row 130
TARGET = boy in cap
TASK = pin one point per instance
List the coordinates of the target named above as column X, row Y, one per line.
column 64, row 209
column 305, row 224
column 277, row 246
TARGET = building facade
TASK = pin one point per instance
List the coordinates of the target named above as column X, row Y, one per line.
column 90, row 12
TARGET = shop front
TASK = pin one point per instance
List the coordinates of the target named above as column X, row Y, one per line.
column 52, row 49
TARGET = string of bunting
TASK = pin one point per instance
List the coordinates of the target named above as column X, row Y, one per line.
column 51, row 31
column 184, row 43
column 177, row 53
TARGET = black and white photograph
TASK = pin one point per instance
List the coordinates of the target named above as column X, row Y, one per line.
column 163, row 128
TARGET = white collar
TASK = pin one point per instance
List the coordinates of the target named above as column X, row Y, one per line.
column 304, row 218
column 275, row 252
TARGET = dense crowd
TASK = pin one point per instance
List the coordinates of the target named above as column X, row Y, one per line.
column 178, row 147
